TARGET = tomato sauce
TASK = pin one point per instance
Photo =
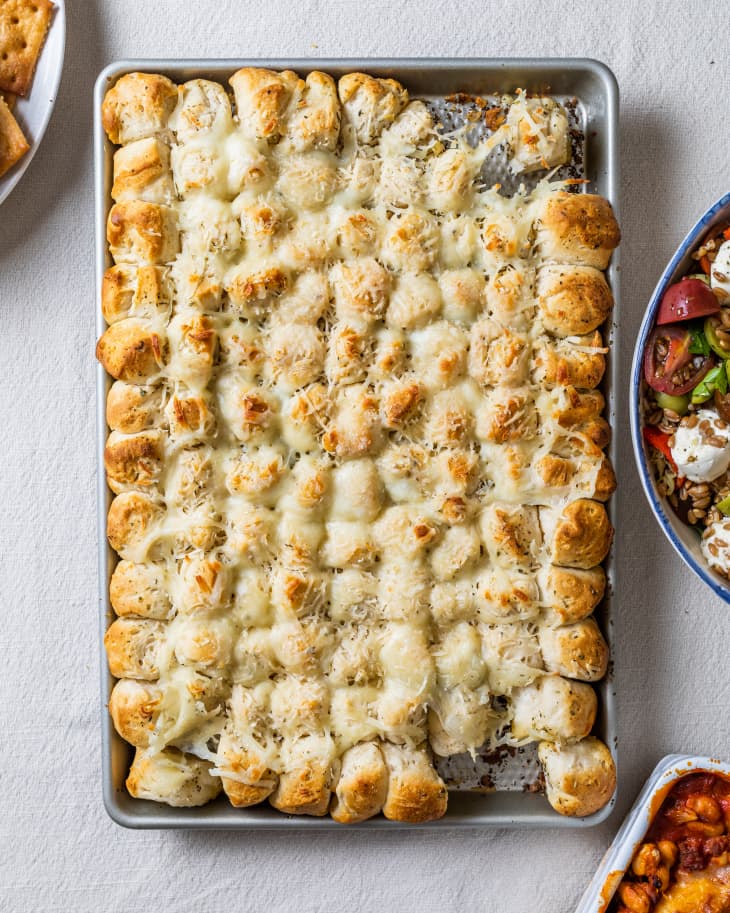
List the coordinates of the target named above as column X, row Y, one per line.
column 685, row 856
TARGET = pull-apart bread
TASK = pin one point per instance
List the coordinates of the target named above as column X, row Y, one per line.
column 356, row 447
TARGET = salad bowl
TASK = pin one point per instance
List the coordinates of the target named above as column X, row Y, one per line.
column 685, row 538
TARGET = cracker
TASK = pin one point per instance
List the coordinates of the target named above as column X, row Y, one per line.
column 9, row 98
column 13, row 145
column 23, row 27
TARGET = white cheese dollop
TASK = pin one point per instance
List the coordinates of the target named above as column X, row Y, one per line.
column 716, row 546
column 702, row 452
column 720, row 273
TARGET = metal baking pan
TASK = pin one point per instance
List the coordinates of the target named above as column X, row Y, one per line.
column 617, row 859
column 594, row 87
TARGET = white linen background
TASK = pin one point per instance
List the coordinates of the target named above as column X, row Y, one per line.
column 58, row 849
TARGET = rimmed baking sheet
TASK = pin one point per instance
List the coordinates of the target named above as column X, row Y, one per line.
column 501, row 788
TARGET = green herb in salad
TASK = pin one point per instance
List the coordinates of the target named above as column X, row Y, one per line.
column 724, row 506
column 698, row 344
column 715, row 379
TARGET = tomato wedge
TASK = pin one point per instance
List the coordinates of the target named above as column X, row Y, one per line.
column 685, row 300
column 669, row 366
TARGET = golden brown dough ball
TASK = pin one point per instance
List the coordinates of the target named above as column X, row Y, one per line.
column 308, row 181
column 571, row 594
column 582, row 535
column 416, row 300
column 133, row 707
column 438, row 354
column 140, row 232
column 576, row 651
column 130, row 523
column 131, row 408
column 577, row 228
column 572, row 300
column 506, row 595
column 133, row 461
column 538, row 134
column 411, row 241
column 132, row 350
column 451, row 180
column 252, row 292
column 497, row 355
column 203, row 110
column 140, row 589
column 508, row 414
column 130, row 291
column 361, row 288
column 579, row 779
column 459, row 721
column 133, row 648
column 138, row 105
column 553, row 708
column 314, row 122
column 355, row 429
column 190, row 417
column 262, row 100
column 576, row 362
column 177, row 779
column 296, row 356
column 370, row 104
column 416, row 792
column 463, row 294
column 193, row 344
column 363, row 784
column 249, row 779
column 311, row 771
column 142, row 172
column 511, row 534
column 247, row 760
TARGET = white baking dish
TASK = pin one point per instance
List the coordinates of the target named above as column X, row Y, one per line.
column 631, row 833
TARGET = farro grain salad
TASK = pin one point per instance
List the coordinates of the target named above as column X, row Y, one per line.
column 687, row 397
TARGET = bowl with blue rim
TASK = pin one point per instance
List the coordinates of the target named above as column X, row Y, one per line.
column 685, row 538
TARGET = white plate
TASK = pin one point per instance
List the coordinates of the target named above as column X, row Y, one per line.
column 34, row 111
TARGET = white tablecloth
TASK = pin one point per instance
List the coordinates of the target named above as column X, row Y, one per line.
column 59, row 851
